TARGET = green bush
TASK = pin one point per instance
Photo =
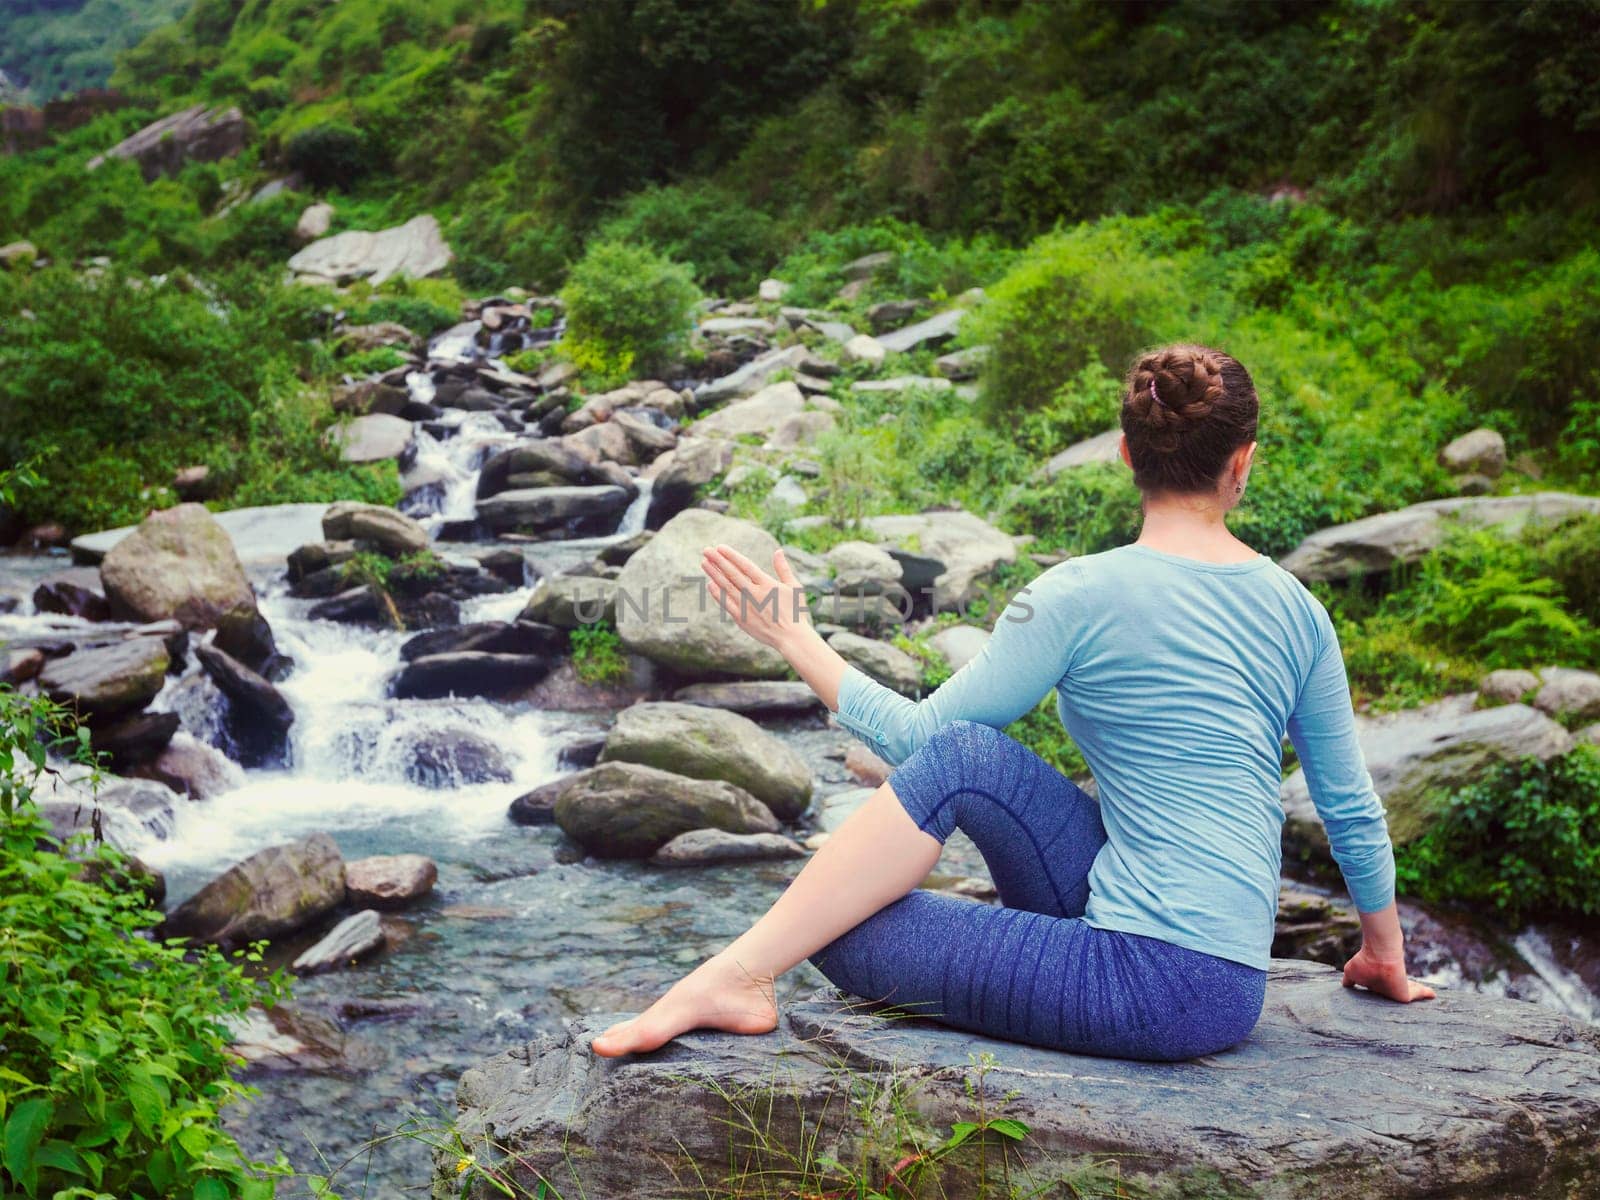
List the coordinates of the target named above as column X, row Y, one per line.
column 1524, row 839
column 597, row 654
column 726, row 243
column 628, row 311
column 333, row 154
column 115, row 1067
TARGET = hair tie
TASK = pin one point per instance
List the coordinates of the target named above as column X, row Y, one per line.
column 1155, row 395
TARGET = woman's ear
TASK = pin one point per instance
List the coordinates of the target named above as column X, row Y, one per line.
column 1122, row 449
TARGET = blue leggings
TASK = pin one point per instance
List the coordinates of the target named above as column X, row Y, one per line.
column 1033, row 970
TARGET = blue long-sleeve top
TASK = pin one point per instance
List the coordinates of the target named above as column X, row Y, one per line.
column 1177, row 679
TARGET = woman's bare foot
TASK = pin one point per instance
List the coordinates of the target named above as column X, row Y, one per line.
column 716, row 995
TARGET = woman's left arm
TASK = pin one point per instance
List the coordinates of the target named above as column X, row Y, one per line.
column 1023, row 659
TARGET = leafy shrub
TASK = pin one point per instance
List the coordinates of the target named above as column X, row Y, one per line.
column 375, row 361
column 1524, row 839
column 628, row 311
column 115, row 1067
column 597, row 654
column 423, row 306
column 725, row 242
column 332, row 154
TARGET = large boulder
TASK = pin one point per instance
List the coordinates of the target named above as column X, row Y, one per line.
column 543, row 509
column 259, row 718
column 665, row 611
column 389, row 880
column 1568, row 692
column 1336, row 1095
column 678, row 475
column 710, row 847
column 966, row 548
column 711, row 743
column 625, row 810
column 416, row 248
column 468, row 673
column 1384, row 540
column 1101, row 448
column 197, row 134
column 376, row 437
column 273, row 892
column 109, row 680
column 1416, row 755
column 760, row 415
column 391, row 532
column 180, row 565
column 887, row 664
column 766, row 698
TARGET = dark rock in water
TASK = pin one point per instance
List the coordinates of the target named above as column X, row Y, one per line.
column 354, row 606
column 417, row 410
column 259, row 716
column 191, row 768
column 136, row 739
column 709, row 847
column 468, row 673
column 389, row 880
column 356, row 937
column 1336, row 1095
column 618, row 553
column 1315, row 927
column 429, row 611
column 534, row 458
column 109, row 680
column 446, row 758
column 273, row 892
column 568, row 510
column 537, row 807
column 19, row 666
column 71, row 600
column 151, row 804
column 581, row 752
column 244, row 633
column 488, row 637
column 314, row 558
column 508, row 565
column 458, row 531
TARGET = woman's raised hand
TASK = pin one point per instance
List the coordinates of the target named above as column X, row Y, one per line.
column 770, row 610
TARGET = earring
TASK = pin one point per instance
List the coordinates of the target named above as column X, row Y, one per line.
column 1237, row 488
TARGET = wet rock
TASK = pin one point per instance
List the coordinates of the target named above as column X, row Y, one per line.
column 1101, row 448
column 179, row 564
column 888, row 665
column 934, row 331
column 389, row 880
column 570, row 601
column 1315, row 927
column 711, row 743
column 1481, row 452
column 468, row 673
column 191, row 768
column 259, row 717
column 19, row 666
column 624, row 810
column 197, row 134
column 244, row 634
column 762, row 698
column 581, row 752
column 1568, row 693
column 1415, row 755
column 550, row 509
column 664, row 611
column 108, row 680
column 1376, row 543
column 680, row 473
column 353, row 606
column 538, row 807
column 152, row 806
column 287, row 1039
column 967, row 548
column 389, row 531
column 135, row 739
column 271, row 893
column 488, row 637
column 1507, row 686
column 71, row 599
column 315, row 557
column 358, row 936
column 707, row 847
column 375, row 437
column 959, row 644
column 416, row 248
column 1308, row 1107
column 550, row 459
column 447, row 758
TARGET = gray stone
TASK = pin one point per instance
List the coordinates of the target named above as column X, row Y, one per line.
column 772, row 290
column 197, row 134
column 664, row 609
column 834, row 810
column 568, row 601
column 862, row 568
column 1507, row 686
column 414, row 249
column 547, row 507
column 273, row 892
column 1481, row 452
column 937, row 329
column 191, row 768
column 760, row 415
column 625, row 810
column 451, row 758
column 389, row 880
column 867, row 265
column 262, row 534
column 1101, row 448
column 468, row 673
column 1336, row 1095
column 751, row 377
column 314, row 222
column 375, row 437
column 727, row 325
column 1415, row 754
column 900, row 383
column 864, row 348
column 706, row 847
column 801, row 429
column 775, row 697
column 711, row 743
column 966, row 547
column 1379, row 542
column 888, row 314
column 788, row 491
column 960, row 365
column 109, row 680
column 891, row 667
column 959, row 644
column 834, row 331
column 352, row 939
column 391, row 532
column 178, row 565
column 1567, row 692
column 259, row 717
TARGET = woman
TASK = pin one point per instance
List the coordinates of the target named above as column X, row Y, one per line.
column 1139, row 926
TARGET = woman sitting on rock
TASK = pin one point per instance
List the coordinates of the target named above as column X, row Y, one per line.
column 1139, row 926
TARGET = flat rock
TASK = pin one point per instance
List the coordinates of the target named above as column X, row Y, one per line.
column 707, row 847
column 261, row 534
column 751, row 377
column 966, row 549
column 902, row 383
column 389, row 880
column 759, row 416
column 196, row 134
column 392, row 532
column 108, row 680
column 1415, row 754
column 488, row 637
column 273, row 892
column 179, row 565
column 625, row 810
column 712, row 743
column 756, row 698
column 416, row 249
column 1101, row 448
column 937, row 329
column 375, row 437
column 352, row 939
column 1384, row 540
column 887, row 664
column 547, row 507
column 468, row 673
column 1336, row 1095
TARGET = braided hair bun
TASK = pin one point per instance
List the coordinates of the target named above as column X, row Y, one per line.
column 1185, row 410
